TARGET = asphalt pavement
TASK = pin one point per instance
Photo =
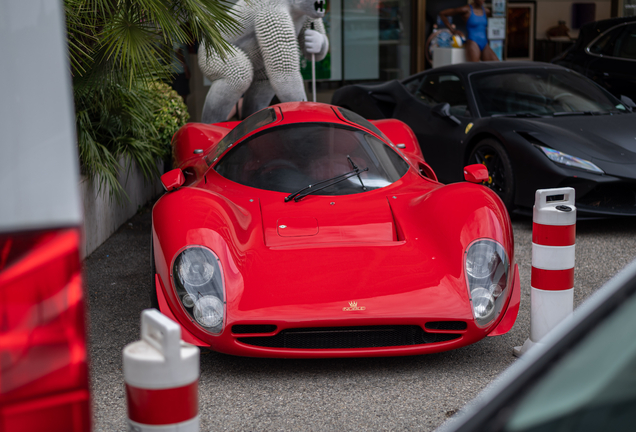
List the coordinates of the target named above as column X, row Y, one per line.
column 247, row 394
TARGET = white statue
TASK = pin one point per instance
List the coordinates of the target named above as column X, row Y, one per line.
column 264, row 60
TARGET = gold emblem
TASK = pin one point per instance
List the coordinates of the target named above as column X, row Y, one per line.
column 469, row 126
column 353, row 306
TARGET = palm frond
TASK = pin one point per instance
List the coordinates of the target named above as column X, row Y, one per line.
column 118, row 50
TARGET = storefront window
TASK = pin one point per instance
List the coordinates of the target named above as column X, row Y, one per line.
column 369, row 40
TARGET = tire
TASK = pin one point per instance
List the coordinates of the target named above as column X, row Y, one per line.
column 491, row 153
column 154, row 301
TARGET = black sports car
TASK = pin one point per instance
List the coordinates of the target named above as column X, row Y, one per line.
column 605, row 52
column 534, row 126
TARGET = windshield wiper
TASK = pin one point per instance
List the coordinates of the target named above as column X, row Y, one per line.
column 526, row 114
column 302, row 193
column 356, row 168
column 574, row 113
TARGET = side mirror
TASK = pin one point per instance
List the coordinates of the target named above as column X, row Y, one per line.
column 475, row 173
column 443, row 110
column 628, row 101
column 172, row 180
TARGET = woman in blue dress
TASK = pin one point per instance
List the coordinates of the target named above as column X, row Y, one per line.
column 476, row 17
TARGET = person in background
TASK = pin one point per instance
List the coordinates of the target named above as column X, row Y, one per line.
column 476, row 17
column 181, row 79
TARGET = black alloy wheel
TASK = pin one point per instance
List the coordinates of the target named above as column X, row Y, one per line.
column 490, row 153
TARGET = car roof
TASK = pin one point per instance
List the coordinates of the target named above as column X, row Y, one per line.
column 591, row 30
column 470, row 67
column 299, row 112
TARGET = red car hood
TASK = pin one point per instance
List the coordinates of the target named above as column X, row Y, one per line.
column 327, row 259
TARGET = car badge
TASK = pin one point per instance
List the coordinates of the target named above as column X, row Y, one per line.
column 282, row 226
column 469, row 126
column 353, row 306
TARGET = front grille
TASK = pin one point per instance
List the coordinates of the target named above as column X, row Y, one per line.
column 349, row 337
column 446, row 325
column 253, row 328
column 614, row 198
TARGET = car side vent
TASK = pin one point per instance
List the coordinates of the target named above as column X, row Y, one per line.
column 253, row 328
column 530, row 138
column 446, row 325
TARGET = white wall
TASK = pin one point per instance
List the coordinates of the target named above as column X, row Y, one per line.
column 550, row 12
column 103, row 216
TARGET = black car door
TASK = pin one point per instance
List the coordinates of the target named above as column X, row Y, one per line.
column 440, row 137
column 612, row 60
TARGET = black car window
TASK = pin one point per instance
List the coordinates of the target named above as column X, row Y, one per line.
column 437, row 88
column 605, row 44
column 250, row 124
column 291, row 157
column 539, row 91
column 626, row 43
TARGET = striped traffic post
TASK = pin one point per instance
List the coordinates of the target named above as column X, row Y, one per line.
column 162, row 377
column 552, row 279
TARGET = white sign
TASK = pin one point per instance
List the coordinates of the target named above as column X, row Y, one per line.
column 496, row 28
column 498, row 8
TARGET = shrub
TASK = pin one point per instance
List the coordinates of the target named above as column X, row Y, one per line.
column 119, row 50
column 170, row 116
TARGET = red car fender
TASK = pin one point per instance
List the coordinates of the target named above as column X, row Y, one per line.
column 510, row 315
column 195, row 136
column 400, row 133
column 170, row 238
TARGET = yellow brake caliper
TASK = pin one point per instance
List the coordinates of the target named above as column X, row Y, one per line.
column 484, row 164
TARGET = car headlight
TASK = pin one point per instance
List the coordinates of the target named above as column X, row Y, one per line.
column 486, row 264
column 569, row 160
column 199, row 283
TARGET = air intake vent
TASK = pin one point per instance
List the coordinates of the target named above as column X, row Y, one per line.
column 349, row 337
column 256, row 328
column 446, row 325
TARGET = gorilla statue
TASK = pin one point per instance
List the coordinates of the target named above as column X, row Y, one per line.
column 265, row 56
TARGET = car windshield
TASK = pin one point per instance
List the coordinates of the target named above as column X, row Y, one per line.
column 291, row 157
column 540, row 92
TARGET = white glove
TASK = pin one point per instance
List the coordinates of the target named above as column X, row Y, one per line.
column 313, row 41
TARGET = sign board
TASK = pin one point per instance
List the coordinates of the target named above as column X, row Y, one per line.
column 498, row 8
column 496, row 28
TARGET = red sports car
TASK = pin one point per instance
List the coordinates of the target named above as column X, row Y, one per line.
column 308, row 231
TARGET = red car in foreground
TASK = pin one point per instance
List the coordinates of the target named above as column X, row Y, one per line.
column 308, row 231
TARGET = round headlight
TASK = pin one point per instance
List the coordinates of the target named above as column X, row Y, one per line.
column 482, row 260
column 188, row 300
column 195, row 268
column 496, row 289
column 483, row 303
column 208, row 311
column 487, row 269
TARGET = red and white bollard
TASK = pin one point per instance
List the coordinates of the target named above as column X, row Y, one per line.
column 162, row 376
column 552, row 280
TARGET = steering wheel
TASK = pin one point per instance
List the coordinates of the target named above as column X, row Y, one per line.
column 560, row 95
column 274, row 165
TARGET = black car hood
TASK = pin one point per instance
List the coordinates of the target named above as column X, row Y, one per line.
column 602, row 138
